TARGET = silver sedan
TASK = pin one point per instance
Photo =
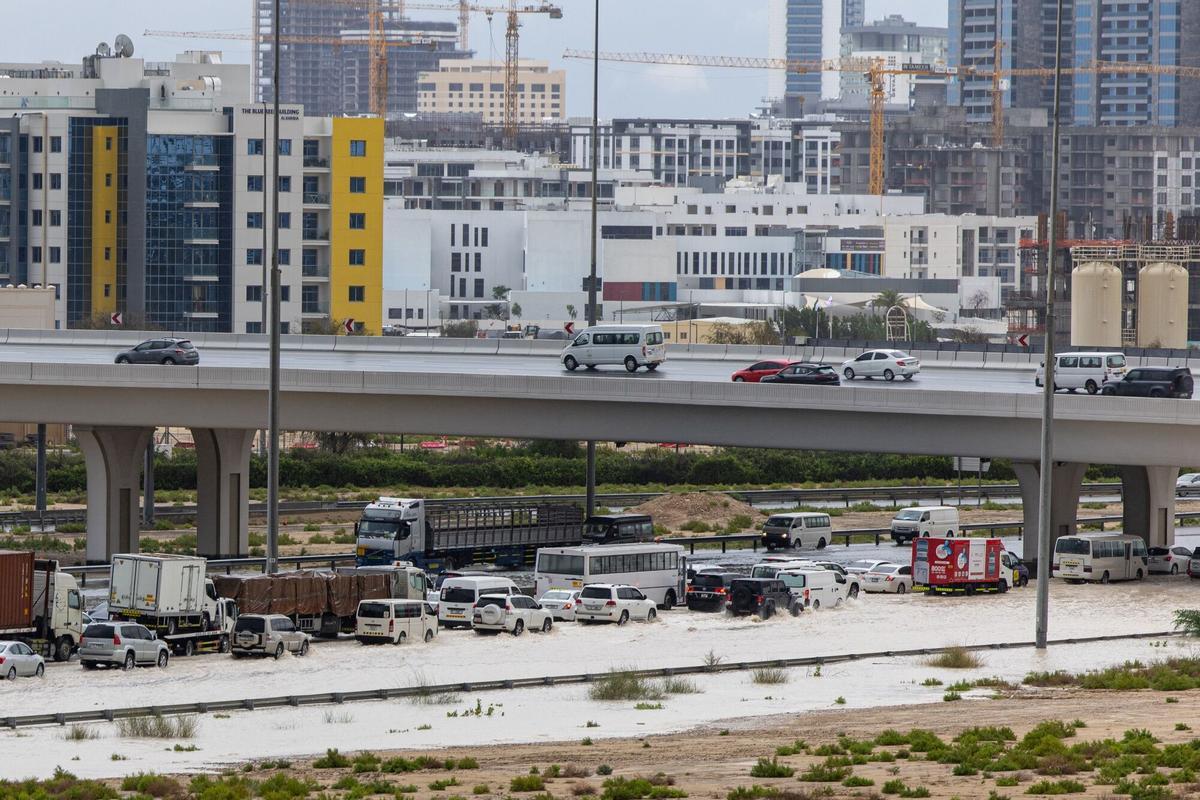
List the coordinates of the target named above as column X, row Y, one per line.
column 18, row 660
column 886, row 364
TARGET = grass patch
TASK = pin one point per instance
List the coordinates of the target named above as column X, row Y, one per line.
column 527, row 783
column 857, row 781
column 769, row 675
column 331, row 760
column 831, row 770
column 648, row 707
column 1056, row 787
column 950, row 697
column 680, row 686
column 148, row 783
column 656, row 787
column 771, row 768
column 955, row 658
column 157, row 727
column 619, row 685
column 442, row 784
column 931, row 682
column 80, row 733
column 334, row 717
column 796, row 748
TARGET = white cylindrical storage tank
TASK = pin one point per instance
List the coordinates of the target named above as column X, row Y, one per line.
column 1096, row 305
column 1162, row 305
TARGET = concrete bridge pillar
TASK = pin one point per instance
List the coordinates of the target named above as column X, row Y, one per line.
column 1066, row 482
column 223, row 491
column 113, row 456
column 1149, row 503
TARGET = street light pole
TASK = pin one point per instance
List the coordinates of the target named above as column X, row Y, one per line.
column 272, row 564
column 591, row 301
column 1045, row 529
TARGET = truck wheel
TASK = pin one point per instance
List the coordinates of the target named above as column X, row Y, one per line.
column 163, row 659
column 223, row 645
column 1140, row 574
column 189, row 648
column 854, row 592
column 62, row 649
column 304, row 647
column 768, row 611
column 205, row 622
column 518, row 627
column 172, row 627
column 816, row 605
column 1002, row 586
column 130, row 661
column 669, row 600
column 1104, row 577
column 570, row 363
column 279, row 651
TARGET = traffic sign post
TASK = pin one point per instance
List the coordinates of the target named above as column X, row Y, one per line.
column 569, row 328
column 1023, row 340
column 348, row 325
column 115, row 319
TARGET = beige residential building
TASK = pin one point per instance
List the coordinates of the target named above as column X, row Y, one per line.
column 473, row 86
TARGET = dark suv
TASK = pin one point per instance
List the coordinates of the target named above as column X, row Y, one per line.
column 761, row 596
column 708, row 591
column 1153, row 382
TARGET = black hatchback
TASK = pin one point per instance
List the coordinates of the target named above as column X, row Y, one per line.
column 761, row 596
column 810, row 374
column 161, row 351
column 1153, row 382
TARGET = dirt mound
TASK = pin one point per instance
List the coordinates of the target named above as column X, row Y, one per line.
column 700, row 512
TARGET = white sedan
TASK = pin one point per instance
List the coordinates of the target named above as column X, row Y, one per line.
column 894, row 578
column 18, row 660
column 561, row 603
column 864, row 565
column 1169, row 560
column 886, row 364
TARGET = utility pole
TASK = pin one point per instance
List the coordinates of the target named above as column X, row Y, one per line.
column 41, row 474
column 1046, row 456
column 272, row 564
column 262, row 437
column 591, row 303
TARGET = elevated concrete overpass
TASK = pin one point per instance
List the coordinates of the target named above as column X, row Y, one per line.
column 114, row 409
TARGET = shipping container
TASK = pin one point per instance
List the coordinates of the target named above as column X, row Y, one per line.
column 16, row 589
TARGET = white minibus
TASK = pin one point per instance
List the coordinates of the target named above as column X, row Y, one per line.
column 814, row 586
column 1088, row 371
column 1100, row 557
column 807, row 529
column 658, row 570
column 394, row 621
column 632, row 345
column 458, row 597
column 923, row 521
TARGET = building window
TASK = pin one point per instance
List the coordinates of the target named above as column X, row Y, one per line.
column 107, row 217
column 254, row 219
column 456, row 262
column 35, row 217
column 358, row 185
column 254, row 294
column 55, row 255
column 108, row 254
column 478, row 262
column 358, row 149
column 483, row 242
column 37, row 144
column 357, row 294
column 358, row 221
column 285, row 257
column 479, row 287
column 254, row 256
column 55, row 181
column 285, row 294
column 285, row 183
column 108, row 179
column 55, row 144
column 254, row 183
column 37, row 181
column 312, row 148
column 55, row 218
column 254, row 147
column 285, row 147
column 285, row 219
column 253, row 327
column 108, row 143
column 35, row 255
column 358, row 258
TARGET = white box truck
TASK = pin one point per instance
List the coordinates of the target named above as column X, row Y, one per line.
column 169, row 594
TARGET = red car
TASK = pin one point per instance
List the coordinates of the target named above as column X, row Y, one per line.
column 759, row 370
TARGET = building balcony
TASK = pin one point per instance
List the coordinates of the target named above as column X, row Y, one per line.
column 318, row 309
column 314, row 235
column 204, row 163
column 316, row 198
column 315, row 271
column 316, row 162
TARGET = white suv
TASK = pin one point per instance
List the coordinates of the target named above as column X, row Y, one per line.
column 513, row 613
column 610, row 602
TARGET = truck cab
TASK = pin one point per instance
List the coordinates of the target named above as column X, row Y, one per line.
column 64, row 628
column 389, row 530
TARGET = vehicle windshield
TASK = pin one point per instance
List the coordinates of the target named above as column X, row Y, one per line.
column 1073, row 546
column 458, row 594
column 909, row 513
column 492, row 600
column 557, row 594
column 594, row 592
column 779, row 522
column 98, row 632
column 374, row 610
column 250, row 624
column 1158, row 551
column 708, row 581
column 1116, row 362
column 383, row 529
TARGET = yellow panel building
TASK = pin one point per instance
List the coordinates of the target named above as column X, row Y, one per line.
column 356, row 223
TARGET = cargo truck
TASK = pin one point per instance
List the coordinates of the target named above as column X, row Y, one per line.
column 958, row 564
column 39, row 605
column 450, row 535
column 321, row 603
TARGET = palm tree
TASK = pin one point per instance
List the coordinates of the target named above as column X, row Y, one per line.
column 571, row 311
column 886, row 299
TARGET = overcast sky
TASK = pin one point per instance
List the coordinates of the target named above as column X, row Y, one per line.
column 65, row 30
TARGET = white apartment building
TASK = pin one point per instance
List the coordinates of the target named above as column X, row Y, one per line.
column 476, row 86
column 942, row 246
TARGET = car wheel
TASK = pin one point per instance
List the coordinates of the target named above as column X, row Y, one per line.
column 168, row 362
column 223, row 644
column 1157, row 393
column 738, row 379
column 1091, row 387
column 816, row 605
column 821, row 543
column 1002, row 586
column 518, row 628
column 428, row 636
column 669, row 600
column 651, row 615
column 40, row 672
column 796, row 609
column 88, row 664
column 631, row 364
column 848, row 373
column 1108, row 390
column 279, row 651
column 12, row 674
column 163, row 658
column 1140, row 575
column 130, row 661
column 623, row 618
column 854, row 592
column 570, row 363
column 1104, row 577
column 768, row 611
column 901, row 588
column 547, row 625
column 651, row 367
column 908, row 377
column 304, row 647
column 122, row 359
column 889, row 376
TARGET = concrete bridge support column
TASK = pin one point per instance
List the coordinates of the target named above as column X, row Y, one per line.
column 223, row 491
column 1066, row 481
column 1149, row 503
column 114, row 458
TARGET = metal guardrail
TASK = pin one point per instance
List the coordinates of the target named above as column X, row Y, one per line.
column 848, row 496
column 325, row 698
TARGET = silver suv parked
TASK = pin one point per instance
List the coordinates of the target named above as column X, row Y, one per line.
column 267, row 635
column 121, row 644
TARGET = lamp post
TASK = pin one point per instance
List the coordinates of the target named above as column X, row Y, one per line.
column 1046, row 455
column 591, row 298
column 272, row 564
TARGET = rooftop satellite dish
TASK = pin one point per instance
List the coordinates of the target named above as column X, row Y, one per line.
column 103, row 50
column 123, row 46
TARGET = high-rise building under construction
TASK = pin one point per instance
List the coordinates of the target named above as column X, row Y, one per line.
column 325, row 61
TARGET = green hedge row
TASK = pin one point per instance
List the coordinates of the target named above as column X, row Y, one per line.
column 531, row 466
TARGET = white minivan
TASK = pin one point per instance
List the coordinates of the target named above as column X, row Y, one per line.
column 1088, row 371
column 394, row 621
column 459, row 595
column 924, row 521
column 815, row 587
column 808, row 529
column 632, row 345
